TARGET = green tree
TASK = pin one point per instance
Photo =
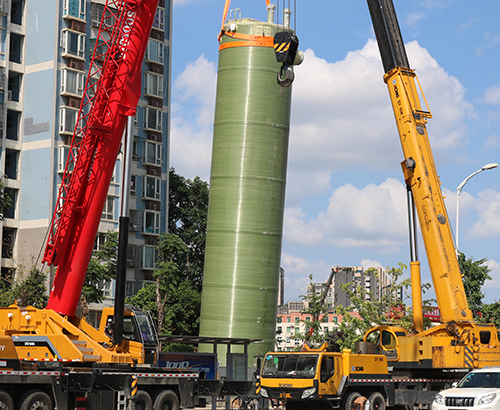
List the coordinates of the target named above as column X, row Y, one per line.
column 172, row 300
column 101, row 269
column 474, row 274
column 188, row 211
column 27, row 289
column 5, row 200
column 177, row 300
column 388, row 309
column 6, row 289
column 31, row 291
column 316, row 310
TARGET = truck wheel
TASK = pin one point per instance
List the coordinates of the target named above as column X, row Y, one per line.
column 141, row 401
column 166, row 400
column 350, row 400
column 6, row 402
column 377, row 401
column 36, row 400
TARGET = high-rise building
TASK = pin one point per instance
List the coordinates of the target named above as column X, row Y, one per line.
column 45, row 49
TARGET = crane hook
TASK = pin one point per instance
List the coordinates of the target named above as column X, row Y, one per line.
column 286, row 76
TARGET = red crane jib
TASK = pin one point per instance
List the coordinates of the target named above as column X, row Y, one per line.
column 112, row 91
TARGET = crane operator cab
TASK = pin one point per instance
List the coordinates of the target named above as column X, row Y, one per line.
column 137, row 327
column 385, row 340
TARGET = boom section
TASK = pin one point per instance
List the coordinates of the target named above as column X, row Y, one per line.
column 418, row 167
column 111, row 93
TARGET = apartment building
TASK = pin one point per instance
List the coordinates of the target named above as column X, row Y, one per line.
column 291, row 322
column 45, row 49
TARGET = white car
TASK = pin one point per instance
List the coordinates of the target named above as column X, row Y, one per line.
column 479, row 390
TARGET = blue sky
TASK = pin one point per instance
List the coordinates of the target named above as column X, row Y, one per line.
column 345, row 201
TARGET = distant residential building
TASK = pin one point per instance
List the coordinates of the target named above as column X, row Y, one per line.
column 290, row 325
column 291, row 322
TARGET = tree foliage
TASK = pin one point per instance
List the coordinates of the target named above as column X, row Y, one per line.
column 173, row 300
column 316, row 310
column 101, row 269
column 5, row 200
column 362, row 314
column 28, row 289
column 474, row 274
column 188, row 211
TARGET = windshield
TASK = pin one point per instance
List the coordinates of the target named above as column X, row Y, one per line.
column 481, row 379
column 147, row 332
column 290, row 366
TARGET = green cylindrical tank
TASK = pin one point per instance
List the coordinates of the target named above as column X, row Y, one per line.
column 247, row 190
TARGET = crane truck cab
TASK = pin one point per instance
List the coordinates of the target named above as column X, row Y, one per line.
column 312, row 378
column 384, row 339
column 139, row 333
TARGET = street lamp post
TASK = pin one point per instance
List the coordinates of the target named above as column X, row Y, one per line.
column 459, row 190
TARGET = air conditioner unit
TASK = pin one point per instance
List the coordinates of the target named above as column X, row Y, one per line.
column 73, row 102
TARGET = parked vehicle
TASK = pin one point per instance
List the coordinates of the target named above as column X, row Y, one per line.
column 480, row 389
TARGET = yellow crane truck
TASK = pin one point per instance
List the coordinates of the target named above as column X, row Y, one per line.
column 404, row 369
column 316, row 378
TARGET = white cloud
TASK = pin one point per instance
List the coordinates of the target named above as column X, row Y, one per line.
column 492, row 95
column 446, row 98
column 370, row 217
column 367, row 263
column 192, row 119
column 488, row 207
column 413, row 19
column 297, row 271
column 342, row 117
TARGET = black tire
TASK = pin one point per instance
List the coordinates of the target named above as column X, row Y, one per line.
column 166, row 400
column 142, row 401
column 349, row 400
column 6, row 402
column 36, row 400
column 377, row 401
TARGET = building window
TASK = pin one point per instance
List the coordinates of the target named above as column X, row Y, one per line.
column 151, row 222
column 135, row 150
column 132, row 185
column 109, row 208
column 74, row 8
column 153, row 84
column 155, row 52
column 159, row 21
column 72, row 82
column 297, row 319
column 73, row 44
column 129, row 288
column 280, row 319
column 153, row 118
column 288, row 319
column 67, row 120
column 153, row 153
column 148, row 257
column 99, row 240
column 96, row 11
column 107, row 288
column 151, row 188
column 62, row 159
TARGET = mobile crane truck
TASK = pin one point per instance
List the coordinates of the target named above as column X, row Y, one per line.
column 403, row 369
column 50, row 358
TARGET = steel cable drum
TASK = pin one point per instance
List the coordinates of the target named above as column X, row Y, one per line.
column 247, row 190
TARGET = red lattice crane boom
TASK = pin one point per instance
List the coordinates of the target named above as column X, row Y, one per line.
column 111, row 93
